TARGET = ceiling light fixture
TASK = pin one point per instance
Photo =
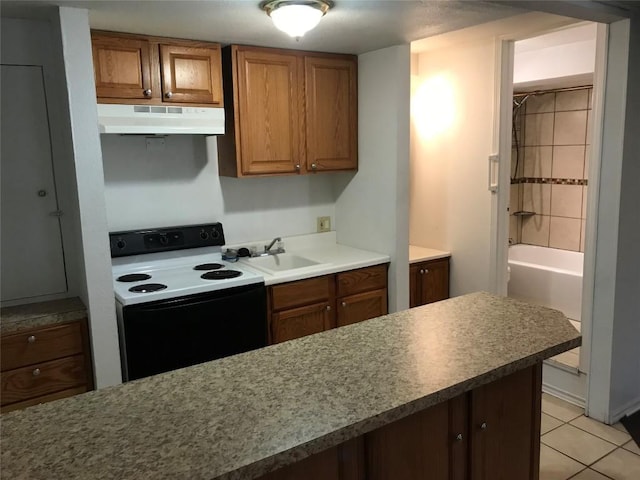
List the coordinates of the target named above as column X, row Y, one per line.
column 296, row 17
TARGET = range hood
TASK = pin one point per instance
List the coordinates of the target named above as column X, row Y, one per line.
column 160, row 120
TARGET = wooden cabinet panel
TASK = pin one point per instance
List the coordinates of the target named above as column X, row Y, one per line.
column 122, row 67
column 505, row 427
column 191, row 74
column 299, row 322
column 413, row 448
column 38, row 345
column 43, row 378
column 362, row 280
column 331, row 113
column 288, row 112
column 344, row 462
column 45, row 398
column 302, row 292
column 429, row 282
column 268, row 92
column 362, row 306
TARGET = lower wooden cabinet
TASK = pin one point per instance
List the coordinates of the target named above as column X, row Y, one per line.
column 316, row 304
column 490, row 433
column 298, row 322
column 429, row 282
column 44, row 364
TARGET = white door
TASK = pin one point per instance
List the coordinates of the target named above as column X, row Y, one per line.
column 32, row 261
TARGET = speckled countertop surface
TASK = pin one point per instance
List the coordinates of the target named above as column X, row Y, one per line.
column 41, row 314
column 423, row 254
column 242, row 416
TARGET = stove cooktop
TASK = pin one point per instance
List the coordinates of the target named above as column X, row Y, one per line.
column 161, row 276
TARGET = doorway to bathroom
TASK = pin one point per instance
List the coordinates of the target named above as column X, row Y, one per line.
column 552, row 114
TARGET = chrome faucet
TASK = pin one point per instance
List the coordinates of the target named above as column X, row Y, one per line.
column 267, row 248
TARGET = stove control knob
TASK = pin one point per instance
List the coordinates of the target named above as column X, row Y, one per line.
column 215, row 233
column 203, row 235
column 121, row 244
column 164, row 240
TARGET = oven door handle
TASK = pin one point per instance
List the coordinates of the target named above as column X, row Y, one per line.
column 224, row 294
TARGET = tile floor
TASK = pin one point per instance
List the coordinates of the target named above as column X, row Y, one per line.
column 578, row 448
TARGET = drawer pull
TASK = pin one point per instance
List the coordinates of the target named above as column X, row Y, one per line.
column 31, row 338
column 36, row 372
column 328, row 308
column 459, row 437
column 483, row 426
column 344, row 304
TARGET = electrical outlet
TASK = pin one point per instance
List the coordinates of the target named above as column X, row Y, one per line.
column 324, row 224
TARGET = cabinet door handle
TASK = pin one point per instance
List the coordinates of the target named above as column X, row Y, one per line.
column 297, row 166
column 459, row 437
column 426, row 270
column 36, row 372
column 328, row 308
column 147, row 92
column 169, row 94
column 313, row 166
column 31, row 338
column 483, row 426
column 344, row 304
column 421, row 271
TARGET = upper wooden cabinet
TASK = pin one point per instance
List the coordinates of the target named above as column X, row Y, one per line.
column 122, row 67
column 191, row 75
column 331, row 113
column 136, row 69
column 288, row 112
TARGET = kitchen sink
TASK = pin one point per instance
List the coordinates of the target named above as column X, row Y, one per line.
column 280, row 262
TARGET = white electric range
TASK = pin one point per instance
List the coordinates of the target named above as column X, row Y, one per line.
column 178, row 303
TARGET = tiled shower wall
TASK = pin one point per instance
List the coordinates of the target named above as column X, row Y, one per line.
column 552, row 175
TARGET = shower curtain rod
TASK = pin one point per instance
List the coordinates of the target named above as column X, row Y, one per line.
column 555, row 90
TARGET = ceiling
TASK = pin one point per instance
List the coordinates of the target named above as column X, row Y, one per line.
column 352, row 26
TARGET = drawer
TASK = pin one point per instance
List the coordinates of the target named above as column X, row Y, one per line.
column 303, row 292
column 41, row 344
column 45, row 398
column 362, row 280
column 43, row 378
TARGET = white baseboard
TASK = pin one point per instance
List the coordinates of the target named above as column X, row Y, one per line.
column 628, row 408
column 562, row 383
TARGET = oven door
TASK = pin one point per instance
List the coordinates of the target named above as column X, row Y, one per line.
column 165, row 335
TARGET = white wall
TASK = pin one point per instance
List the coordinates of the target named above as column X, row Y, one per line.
column 71, row 32
column 614, row 374
column 372, row 206
column 556, row 58
column 452, row 110
column 180, row 186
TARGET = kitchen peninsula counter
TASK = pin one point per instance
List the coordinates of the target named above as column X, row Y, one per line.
column 246, row 415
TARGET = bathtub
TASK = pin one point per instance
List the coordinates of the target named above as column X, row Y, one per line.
column 547, row 276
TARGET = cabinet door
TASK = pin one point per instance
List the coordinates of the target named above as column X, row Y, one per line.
column 434, row 281
column 191, row 74
column 505, row 427
column 430, row 444
column 299, row 322
column 331, row 113
column 363, row 306
column 415, row 285
column 268, row 96
column 122, row 67
column 344, row 462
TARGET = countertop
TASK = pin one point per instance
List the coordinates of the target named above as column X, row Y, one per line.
column 244, row 415
column 41, row 314
column 331, row 256
column 423, row 254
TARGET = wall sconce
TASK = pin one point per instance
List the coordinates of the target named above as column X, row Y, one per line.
column 296, row 17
